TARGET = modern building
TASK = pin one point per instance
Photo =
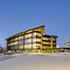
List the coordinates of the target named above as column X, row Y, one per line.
column 67, row 43
column 49, row 43
column 32, row 40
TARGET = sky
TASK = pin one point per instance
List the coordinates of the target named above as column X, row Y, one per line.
column 20, row 15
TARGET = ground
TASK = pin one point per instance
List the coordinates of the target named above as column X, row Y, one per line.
column 36, row 62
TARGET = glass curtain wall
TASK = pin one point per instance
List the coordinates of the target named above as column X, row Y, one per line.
column 31, row 39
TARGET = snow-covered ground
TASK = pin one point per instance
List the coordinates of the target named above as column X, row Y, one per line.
column 59, row 61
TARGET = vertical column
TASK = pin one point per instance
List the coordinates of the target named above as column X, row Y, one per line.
column 52, row 44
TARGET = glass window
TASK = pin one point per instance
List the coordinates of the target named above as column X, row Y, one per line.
column 26, row 46
column 28, row 40
column 15, row 43
column 20, row 42
column 34, row 34
column 26, row 36
column 15, row 47
column 17, row 38
column 34, row 46
column 34, row 39
column 11, row 44
column 38, row 29
column 29, row 46
column 20, row 37
column 29, row 31
column 21, row 47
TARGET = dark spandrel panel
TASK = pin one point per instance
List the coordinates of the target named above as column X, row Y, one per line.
column 46, row 40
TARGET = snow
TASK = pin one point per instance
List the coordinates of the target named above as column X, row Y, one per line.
column 55, row 61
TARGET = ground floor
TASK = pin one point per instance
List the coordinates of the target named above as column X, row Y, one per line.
column 39, row 50
column 32, row 51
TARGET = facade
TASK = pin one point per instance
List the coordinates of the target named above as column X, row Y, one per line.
column 67, row 43
column 49, row 43
column 32, row 40
column 62, row 49
column 1, row 50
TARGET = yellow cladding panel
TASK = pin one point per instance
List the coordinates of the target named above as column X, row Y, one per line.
column 23, row 33
column 43, row 30
column 13, row 43
column 10, row 44
column 44, row 47
column 37, row 34
column 28, row 35
column 20, row 37
column 54, row 39
column 29, row 31
column 40, row 29
column 44, row 38
column 38, row 45
column 47, row 47
column 38, row 40
column 54, row 43
column 46, row 42
column 17, row 38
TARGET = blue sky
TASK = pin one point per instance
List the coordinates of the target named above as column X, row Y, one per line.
column 20, row 15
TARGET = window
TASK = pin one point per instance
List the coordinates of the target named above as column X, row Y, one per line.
column 28, row 46
column 21, row 47
column 34, row 46
column 28, row 36
column 16, row 38
column 20, row 37
column 28, row 40
column 15, row 43
column 21, row 42
column 34, row 39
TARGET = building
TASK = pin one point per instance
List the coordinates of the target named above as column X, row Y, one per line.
column 67, row 43
column 49, row 43
column 1, row 50
column 32, row 40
